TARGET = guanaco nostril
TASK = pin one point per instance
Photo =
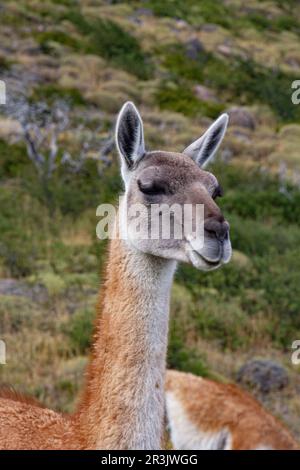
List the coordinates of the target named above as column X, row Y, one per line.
column 222, row 232
column 219, row 229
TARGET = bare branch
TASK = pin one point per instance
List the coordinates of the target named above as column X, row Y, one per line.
column 43, row 127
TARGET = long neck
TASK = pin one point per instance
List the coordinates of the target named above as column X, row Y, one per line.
column 123, row 402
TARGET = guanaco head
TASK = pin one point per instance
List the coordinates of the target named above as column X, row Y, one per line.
column 170, row 201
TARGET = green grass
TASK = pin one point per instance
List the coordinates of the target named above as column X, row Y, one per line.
column 193, row 11
column 5, row 64
column 177, row 98
column 47, row 38
column 16, row 313
column 68, row 3
column 228, row 16
column 264, row 226
column 22, row 240
column 176, row 61
column 51, row 92
column 80, row 330
column 231, row 78
column 108, row 39
column 13, row 160
column 254, row 83
column 180, row 98
column 26, row 227
column 184, row 358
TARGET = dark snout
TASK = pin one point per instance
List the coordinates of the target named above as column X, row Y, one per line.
column 217, row 246
column 218, row 227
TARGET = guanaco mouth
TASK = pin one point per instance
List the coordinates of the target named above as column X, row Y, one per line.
column 196, row 256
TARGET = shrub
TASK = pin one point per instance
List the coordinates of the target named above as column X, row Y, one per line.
column 250, row 81
column 69, row 3
column 269, row 203
column 177, row 98
column 254, row 83
column 223, row 320
column 23, row 239
column 287, row 23
column 280, row 279
column 5, row 64
column 54, row 283
column 13, row 159
column 178, row 63
column 259, row 21
column 228, row 16
column 17, row 313
column 72, row 193
column 107, row 39
column 46, row 38
column 80, row 330
column 52, row 92
column 263, row 293
column 193, row 11
column 182, row 357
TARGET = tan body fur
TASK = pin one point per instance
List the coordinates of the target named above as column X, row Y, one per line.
column 204, row 414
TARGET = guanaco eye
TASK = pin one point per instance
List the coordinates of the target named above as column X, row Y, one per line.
column 218, row 192
column 151, row 187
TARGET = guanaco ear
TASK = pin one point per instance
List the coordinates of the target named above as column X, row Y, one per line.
column 203, row 149
column 129, row 135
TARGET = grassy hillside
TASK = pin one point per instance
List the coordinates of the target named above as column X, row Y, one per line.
column 183, row 63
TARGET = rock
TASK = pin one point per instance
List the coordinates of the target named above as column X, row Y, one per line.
column 10, row 128
column 263, row 375
column 32, row 50
column 193, row 48
column 135, row 19
column 181, row 24
column 204, row 93
column 209, row 27
column 241, row 136
column 144, row 12
column 224, row 49
column 241, row 117
column 293, row 62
